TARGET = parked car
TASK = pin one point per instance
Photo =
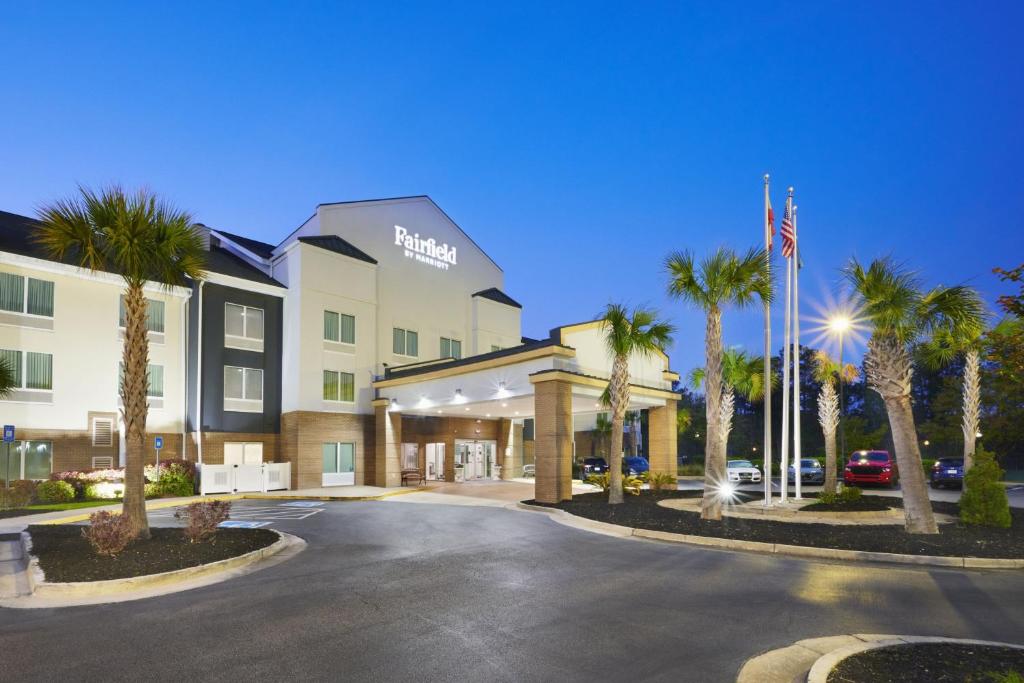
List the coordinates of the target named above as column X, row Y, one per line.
column 594, row 466
column 948, row 472
column 635, row 465
column 743, row 471
column 530, row 470
column 811, row 472
column 871, row 467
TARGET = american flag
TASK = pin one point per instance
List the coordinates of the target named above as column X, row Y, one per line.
column 788, row 233
column 771, row 226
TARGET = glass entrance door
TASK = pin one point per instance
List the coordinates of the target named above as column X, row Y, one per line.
column 476, row 457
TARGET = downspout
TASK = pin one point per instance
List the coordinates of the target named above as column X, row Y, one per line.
column 199, row 377
column 184, row 364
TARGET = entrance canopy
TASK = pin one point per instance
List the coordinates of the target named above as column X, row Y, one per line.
column 551, row 381
column 502, row 384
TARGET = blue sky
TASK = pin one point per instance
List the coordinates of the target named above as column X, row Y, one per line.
column 578, row 144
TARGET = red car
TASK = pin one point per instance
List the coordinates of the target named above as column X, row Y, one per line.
column 871, row 467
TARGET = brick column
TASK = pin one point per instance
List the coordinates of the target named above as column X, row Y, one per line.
column 503, row 455
column 553, row 440
column 661, row 426
column 387, row 456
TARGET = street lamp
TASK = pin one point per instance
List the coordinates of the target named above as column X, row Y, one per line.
column 839, row 324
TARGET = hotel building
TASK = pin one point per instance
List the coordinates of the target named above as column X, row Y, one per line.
column 376, row 337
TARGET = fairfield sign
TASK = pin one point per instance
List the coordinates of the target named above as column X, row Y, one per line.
column 429, row 251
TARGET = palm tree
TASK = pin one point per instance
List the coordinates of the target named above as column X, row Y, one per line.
column 901, row 313
column 722, row 279
column 826, row 372
column 602, row 429
column 741, row 374
column 142, row 239
column 941, row 349
column 627, row 333
column 7, row 379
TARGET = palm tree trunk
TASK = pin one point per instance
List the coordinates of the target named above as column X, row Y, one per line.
column 714, row 458
column 828, row 417
column 619, row 394
column 972, row 408
column 727, row 410
column 917, row 508
column 135, row 356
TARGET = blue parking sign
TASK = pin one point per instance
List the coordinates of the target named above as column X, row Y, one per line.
column 159, row 442
column 8, row 433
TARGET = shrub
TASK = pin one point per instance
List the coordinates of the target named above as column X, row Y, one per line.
column 828, row 497
column 663, row 482
column 692, row 469
column 630, row 484
column 174, row 480
column 185, row 468
column 108, row 533
column 103, row 490
column 984, row 501
column 850, row 494
column 26, row 487
column 55, row 492
column 15, row 496
column 202, row 518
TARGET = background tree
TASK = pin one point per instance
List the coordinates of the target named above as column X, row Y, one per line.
column 626, row 333
column 142, row 239
column 742, row 376
column 602, row 433
column 7, row 379
column 722, row 279
column 828, row 373
column 901, row 313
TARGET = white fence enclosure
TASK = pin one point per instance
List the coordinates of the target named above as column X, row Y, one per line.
column 268, row 476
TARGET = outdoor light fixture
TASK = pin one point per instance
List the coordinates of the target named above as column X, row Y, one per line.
column 459, row 398
column 502, row 391
column 978, row 434
column 424, row 403
column 927, row 442
column 839, row 324
column 504, row 405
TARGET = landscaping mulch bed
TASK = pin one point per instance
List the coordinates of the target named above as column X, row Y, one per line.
column 930, row 663
column 64, row 555
column 864, row 504
column 954, row 540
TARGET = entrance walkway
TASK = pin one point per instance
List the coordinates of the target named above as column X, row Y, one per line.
column 488, row 493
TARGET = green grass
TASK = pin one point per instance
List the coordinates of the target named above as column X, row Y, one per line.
column 57, row 507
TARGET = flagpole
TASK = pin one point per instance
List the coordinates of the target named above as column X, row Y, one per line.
column 796, row 356
column 767, row 447
column 784, row 456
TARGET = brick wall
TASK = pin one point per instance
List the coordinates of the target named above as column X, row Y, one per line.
column 303, row 434
column 213, row 446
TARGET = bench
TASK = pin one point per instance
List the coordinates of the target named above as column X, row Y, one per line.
column 412, row 476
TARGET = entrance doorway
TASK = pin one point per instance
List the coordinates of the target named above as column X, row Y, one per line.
column 339, row 464
column 435, row 461
column 476, row 458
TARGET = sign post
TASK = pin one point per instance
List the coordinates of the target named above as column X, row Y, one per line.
column 8, row 440
column 159, row 443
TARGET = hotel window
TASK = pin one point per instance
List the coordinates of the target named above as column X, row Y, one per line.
column 30, row 370
column 27, row 459
column 154, row 380
column 339, row 386
column 406, row 342
column 243, row 327
column 34, row 299
column 339, row 327
column 154, row 315
column 451, row 348
column 243, row 389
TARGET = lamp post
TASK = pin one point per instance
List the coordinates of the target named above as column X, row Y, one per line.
column 839, row 324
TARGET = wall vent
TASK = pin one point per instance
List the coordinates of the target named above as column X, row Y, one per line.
column 102, row 431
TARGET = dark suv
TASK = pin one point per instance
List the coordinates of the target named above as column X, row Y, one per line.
column 948, row 472
column 871, row 467
column 594, row 466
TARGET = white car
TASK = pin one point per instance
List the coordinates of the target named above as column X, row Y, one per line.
column 743, row 471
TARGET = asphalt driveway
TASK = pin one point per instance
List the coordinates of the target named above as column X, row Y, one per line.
column 402, row 591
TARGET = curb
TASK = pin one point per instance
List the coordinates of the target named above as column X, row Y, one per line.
column 336, row 499
column 823, row 665
column 73, row 592
column 563, row 517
